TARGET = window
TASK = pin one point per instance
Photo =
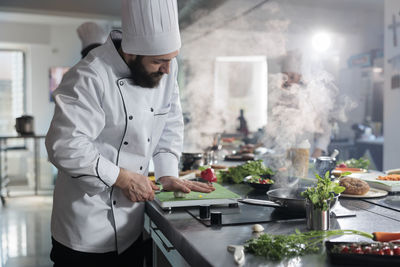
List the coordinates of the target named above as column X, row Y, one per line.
column 12, row 89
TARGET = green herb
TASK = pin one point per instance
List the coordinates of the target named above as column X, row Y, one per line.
column 325, row 190
column 277, row 247
column 361, row 163
column 236, row 174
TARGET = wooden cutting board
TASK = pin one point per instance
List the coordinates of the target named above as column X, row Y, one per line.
column 220, row 196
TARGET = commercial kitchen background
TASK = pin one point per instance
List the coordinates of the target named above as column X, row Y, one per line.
column 361, row 56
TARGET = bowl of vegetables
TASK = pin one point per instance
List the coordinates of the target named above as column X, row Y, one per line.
column 261, row 183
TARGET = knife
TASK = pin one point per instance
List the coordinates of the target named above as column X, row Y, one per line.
column 259, row 202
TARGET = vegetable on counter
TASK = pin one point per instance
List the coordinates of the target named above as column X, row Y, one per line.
column 209, row 175
column 361, row 163
column 385, row 237
column 236, row 174
column 390, row 249
column 277, row 247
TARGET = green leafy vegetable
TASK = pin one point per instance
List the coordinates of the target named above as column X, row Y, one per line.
column 277, row 247
column 324, row 192
column 361, row 163
column 236, row 174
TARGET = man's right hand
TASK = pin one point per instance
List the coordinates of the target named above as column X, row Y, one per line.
column 136, row 187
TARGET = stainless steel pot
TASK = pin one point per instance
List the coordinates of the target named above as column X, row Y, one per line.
column 24, row 125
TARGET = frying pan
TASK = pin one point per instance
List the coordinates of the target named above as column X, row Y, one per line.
column 291, row 199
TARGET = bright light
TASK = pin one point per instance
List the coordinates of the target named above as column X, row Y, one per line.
column 321, row 41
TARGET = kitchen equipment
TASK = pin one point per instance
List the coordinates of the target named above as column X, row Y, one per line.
column 299, row 156
column 372, row 193
column 191, row 161
column 216, row 218
column 219, row 196
column 325, row 164
column 204, row 211
column 317, row 219
column 291, row 199
column 351, row 259
column 371, row 177
column 24, row 125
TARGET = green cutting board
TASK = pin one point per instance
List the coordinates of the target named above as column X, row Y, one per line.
column 220, row 196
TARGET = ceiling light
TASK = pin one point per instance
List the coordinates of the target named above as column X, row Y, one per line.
column 321, row 41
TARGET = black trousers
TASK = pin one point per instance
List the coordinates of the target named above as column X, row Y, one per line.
column 63, row 256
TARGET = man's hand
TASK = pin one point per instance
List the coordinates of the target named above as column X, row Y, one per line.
column 136, row 187
column 170, row 183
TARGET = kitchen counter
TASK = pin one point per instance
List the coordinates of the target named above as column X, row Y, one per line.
column 189, row 242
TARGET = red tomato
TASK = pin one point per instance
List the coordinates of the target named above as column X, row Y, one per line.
column 345, row 250
column 378, row 252
column 342, row 165
column 367, row 250
column 357, row 250
column 209, row 175
column 387, row 251
column 396, row 251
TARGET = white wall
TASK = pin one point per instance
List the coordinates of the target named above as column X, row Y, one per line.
column 49, row 41
column 391, row 111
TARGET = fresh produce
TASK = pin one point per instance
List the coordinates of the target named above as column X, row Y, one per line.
column 385, row 237
column 361, row 163
column 324, row 192
column 367, row 248
column 277, row 247
column 209, row 175
column 256, row 179
column 236, row 174
column 179, row 194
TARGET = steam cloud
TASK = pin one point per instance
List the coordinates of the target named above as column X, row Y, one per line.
column 293, row 112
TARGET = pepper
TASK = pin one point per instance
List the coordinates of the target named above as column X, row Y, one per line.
column 209, row 175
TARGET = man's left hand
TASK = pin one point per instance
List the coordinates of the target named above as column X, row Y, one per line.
column 174, row 184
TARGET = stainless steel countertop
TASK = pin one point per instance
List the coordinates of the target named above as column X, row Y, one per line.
column 207, row 246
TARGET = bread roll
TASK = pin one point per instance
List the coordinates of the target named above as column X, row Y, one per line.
column 354, row 186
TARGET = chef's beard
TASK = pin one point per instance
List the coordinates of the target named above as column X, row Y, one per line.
column 141, row 77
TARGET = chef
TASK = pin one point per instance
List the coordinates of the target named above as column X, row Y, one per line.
column 91, row 35
column 115, row 110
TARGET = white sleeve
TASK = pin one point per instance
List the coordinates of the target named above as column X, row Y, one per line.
column 78, row 120
column 169, row 148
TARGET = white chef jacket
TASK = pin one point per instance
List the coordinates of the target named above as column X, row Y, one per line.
column 102, row 121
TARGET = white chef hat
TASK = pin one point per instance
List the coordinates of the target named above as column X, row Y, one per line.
column 150, row 27
column 91, row 33
column 292, row 62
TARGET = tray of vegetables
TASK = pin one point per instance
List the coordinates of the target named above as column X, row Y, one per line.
column 364, row 253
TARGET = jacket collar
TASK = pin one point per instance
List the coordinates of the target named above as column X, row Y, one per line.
column 111, row 56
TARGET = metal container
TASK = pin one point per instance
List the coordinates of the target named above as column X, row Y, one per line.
column 317, row 219
column 325, row 164
column 24, row 125
column 191, row 161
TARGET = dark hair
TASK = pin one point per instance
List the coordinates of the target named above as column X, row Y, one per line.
column 88, row 48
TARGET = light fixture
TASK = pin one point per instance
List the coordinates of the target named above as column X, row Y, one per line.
column 321, row 41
